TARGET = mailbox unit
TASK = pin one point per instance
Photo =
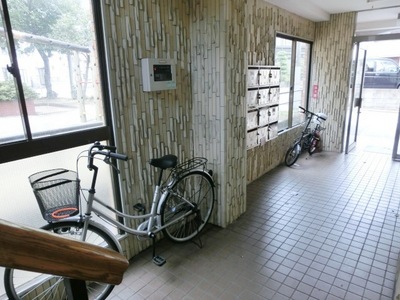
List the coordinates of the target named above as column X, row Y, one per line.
column 262, row 104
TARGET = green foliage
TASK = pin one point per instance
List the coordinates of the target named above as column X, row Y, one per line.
column 283, row 60
column 63, row 20
column 8, row 91
column 55, row 21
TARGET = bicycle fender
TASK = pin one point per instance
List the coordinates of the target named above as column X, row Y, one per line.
column 209, row 174
column 94, row 224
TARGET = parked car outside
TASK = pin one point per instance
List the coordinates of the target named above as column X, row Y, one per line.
column 381, row 73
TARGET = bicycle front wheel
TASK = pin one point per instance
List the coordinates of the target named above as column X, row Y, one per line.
column 26, row 285
column 188, row 206
column 292, row 154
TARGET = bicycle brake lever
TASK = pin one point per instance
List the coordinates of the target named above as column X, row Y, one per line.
column 108, row 162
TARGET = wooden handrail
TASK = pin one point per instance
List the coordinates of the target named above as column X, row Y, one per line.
column 37, row 250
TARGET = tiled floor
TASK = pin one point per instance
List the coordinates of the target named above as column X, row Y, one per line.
column 325, row 229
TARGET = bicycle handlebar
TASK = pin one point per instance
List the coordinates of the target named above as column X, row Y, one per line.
column 109, row 153
column 307, row 111
column 320, row 116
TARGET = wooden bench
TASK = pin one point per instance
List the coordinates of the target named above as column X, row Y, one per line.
column 37, row 250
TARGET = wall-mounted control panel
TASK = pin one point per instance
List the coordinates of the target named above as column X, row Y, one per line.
column 158, row 74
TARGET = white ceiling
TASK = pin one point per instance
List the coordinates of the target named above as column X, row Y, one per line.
column 374, row 16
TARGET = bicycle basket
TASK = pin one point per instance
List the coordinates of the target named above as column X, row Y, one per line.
column 194, row 163
column 57, row 193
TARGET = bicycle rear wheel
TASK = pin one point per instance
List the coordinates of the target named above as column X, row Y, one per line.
column 26, row 285
column 188, row 206
column 292, row 154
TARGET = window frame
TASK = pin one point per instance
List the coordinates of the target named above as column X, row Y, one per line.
column 36, row 146
column 294, row 41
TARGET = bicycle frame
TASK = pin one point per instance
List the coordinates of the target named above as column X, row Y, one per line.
column 152, row 220
column 305, row 133
column 184, row 200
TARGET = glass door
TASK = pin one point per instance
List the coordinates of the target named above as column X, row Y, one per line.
column 396, row 148
column 356, row 88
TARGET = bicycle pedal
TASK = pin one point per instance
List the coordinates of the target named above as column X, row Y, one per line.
column 159, row 260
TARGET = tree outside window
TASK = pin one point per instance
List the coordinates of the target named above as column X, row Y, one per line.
column 55, row 46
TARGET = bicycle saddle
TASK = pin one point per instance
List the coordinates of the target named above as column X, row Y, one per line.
column 165, row 162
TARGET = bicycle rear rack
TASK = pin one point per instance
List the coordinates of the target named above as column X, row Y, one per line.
column 194, row 163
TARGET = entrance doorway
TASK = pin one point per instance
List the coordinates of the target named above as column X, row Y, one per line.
column 377, row 120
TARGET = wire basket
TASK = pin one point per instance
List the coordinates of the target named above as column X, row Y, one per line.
column 194, row 163
column 57, row 193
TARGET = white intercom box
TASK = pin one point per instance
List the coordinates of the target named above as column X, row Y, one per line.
column 158, row 74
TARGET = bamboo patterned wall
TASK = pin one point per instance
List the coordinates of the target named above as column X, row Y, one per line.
column 218, row 34
column 264, row 21
column 332, row 53
column 227, row 36
column 148, row 124
column 212, row 42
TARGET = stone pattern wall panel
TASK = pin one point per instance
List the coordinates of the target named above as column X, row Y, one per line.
column 218, row 32
column 264, row 21
column 212, row 43
column 148, row 124
column 332, row 53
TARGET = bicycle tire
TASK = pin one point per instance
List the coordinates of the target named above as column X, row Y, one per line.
column 24, row 285
column 198, row 188
column 292, row 154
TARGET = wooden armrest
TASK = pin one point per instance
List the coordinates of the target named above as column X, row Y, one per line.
column 42, row 251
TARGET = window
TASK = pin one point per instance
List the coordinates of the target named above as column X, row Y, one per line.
column 293, row 57
column 53, row 100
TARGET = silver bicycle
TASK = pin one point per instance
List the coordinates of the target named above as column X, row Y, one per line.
column 181, row 207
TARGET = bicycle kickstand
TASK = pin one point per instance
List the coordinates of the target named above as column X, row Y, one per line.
column 158, row 260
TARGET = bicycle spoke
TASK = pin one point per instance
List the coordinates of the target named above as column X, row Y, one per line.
column 187, row 220
column 29, row 285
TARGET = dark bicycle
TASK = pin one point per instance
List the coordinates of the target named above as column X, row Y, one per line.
column 309, row 138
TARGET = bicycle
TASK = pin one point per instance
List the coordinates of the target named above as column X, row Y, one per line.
column 309, row 138
column 182, row 205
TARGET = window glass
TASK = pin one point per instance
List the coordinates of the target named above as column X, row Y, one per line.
column 387, row 67
column 21, row 205
column 11, row 122
column 300, row 80
column 283, row 59
column 57, row 60
column 293, row 57
column 18, row 203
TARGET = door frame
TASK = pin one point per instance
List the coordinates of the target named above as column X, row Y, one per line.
column 395, row 153
column 355, row 100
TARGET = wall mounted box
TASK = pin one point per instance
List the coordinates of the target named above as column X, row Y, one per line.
column 252, row 98
column 263, row 135
column 273, row 131
column 263, row 117
column 158, row 74
column 262, row 104
column 251, row 140
column 252, row 120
